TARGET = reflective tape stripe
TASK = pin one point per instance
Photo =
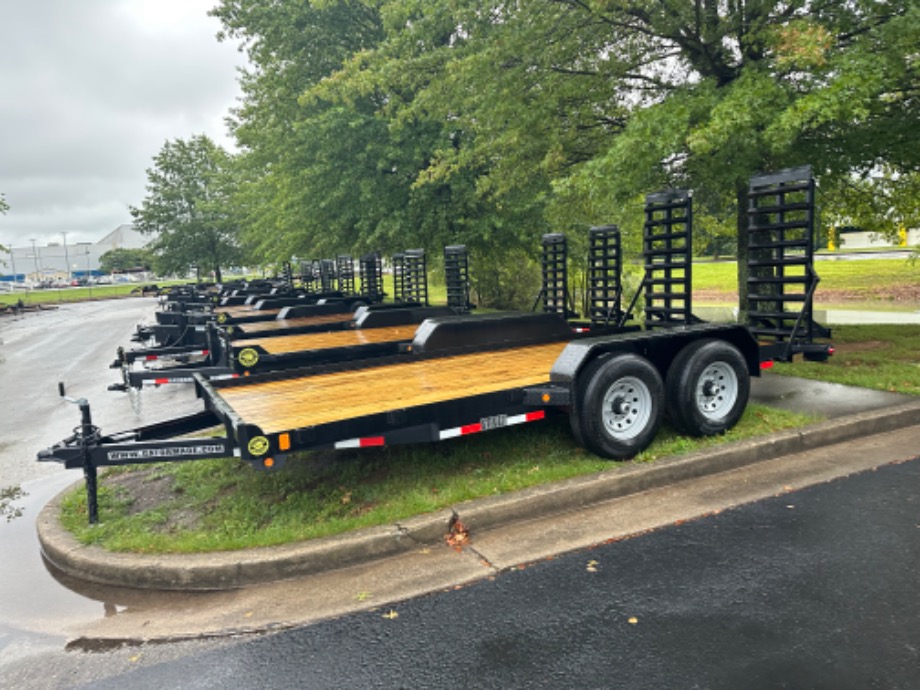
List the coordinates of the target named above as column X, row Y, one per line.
column 367, row 442
column 476, row 428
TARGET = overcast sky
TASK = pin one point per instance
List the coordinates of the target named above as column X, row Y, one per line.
column 90, row 90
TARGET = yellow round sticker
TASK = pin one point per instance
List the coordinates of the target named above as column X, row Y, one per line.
column 222, row 317
column 248, row 357
column 258, row 445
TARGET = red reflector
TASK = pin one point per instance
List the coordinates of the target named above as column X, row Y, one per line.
column 160, row 382
column 534, row 416
column 150, row 358
column 767, row 365
column 372, row 441
column 204, row 352
column 470, row 429
column 830, row 350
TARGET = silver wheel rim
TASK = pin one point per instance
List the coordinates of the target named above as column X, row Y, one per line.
column 627, row 408
column 716, row 391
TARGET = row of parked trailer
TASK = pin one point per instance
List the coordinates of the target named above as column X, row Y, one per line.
column 284, row 369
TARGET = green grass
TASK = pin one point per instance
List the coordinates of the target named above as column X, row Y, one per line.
column 79, row 294
column 225, row 504
column 863, row 279
column 881, row 357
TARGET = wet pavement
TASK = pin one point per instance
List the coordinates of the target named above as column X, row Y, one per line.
column 75, row 344
column 828, row 400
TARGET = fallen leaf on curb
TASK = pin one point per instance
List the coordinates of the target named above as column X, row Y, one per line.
column 458, row 535
column 391, row 615
column 362, row 596
column 633, row 620
column 592, row 566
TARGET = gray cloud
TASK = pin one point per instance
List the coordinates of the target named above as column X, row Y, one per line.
column 90, row 91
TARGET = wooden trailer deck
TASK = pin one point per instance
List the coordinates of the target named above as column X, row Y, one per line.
column 278, row 324
column 288, row 404
column 244, row 310
column 320, row 341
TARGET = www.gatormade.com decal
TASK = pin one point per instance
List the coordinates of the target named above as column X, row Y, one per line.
column 173, row 452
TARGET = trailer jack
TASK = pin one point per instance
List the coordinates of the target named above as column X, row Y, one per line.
column 86, row 435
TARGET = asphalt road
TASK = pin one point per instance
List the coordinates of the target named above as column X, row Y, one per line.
column 73, row 344
column 812, row 589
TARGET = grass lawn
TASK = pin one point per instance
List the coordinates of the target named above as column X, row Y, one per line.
column 73, row 294
column 886, row 282
column 212, row 505
column 883, row 357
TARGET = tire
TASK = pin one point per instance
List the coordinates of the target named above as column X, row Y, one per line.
column 581, row 383
column 708, row 386
column 621, row 407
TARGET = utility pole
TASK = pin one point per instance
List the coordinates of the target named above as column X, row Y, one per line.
column 35, row 259
column 66, row 258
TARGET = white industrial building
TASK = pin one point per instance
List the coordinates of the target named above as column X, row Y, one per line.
column 54, row 261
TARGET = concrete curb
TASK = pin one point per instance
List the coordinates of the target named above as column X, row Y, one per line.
column 228, row 570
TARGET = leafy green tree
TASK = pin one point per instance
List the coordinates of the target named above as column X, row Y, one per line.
column 380, row 124
column 189, row 208
column 591, row 103
column 117, row 260
column 292, row 47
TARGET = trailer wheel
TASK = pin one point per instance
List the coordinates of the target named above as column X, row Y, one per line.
column 622, row 407
column 584, row 377
column 707, row 388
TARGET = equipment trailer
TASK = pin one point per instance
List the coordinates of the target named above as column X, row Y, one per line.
column 329, row 335
column 467, row 374
column 367, row 333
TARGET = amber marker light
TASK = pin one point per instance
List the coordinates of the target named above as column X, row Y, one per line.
column 268, row 462
column 284, row 442
column 546, row 397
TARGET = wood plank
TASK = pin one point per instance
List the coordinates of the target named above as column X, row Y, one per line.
column 319, row 341
column 278, row 324
column 244, row 310
column 289, row 404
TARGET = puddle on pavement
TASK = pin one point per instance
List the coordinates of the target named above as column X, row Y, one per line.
column 38, row 598
column 829, row 400
column 9, row 498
